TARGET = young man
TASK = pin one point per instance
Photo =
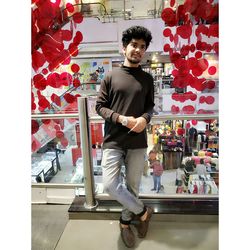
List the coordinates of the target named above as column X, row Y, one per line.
column 126, row 102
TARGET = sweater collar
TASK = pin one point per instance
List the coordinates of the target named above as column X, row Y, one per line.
column 131, row 69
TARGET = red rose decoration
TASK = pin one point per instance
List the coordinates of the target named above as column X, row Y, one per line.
column 169, row 17
column 69, row 98
column 76, row 83
column 167, row 32
column 69, row 7
column 185, row 31
column 75, row 68
column 56, row 99
column 34, row 126
column 77, row 17
column 212, row 70
column 210, row 84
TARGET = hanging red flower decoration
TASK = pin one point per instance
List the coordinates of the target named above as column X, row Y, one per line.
column 166, row 47
column 169, row 17
column 39, row 82
column 66, row 35
column 210, row 100
column 172, row 3
column 65, row 78
column 198, row 54
column 75, row 68
column 34, row 126
column 45, row 71
column 69, row 98
column 210, row 84
column 56, row 99
column 191, row 6
column 167, row 32
column 77, row 17
column 38, row 60
column 76, row 83
column 212, row 70
column 73, row 49
column 69, row 7
column 185, row 31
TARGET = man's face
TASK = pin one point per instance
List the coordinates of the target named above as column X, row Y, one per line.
column 135, row 51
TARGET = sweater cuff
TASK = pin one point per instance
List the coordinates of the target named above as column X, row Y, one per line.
column 114, row 117
column 147, row 117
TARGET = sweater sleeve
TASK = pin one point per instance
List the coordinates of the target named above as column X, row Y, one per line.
column 149, row 104
column 103, row 102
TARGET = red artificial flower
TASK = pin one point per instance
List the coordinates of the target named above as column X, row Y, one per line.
column 191, row 6
column 210, row 84
column 210, row 99
column 43, row 103
column 34, row 126
column 65, row 78
column 172, row 3
column 166, row 47
column 46, row 121
column 73, row 49
column 212, row 70
column 39, row 82
column 69, row 98
column 198, row 54
column 75, row 68
column 69, row 7
column 169, row 17
column 76, row 83
column 66, row 35
column 77, row 17
column 185, row 31
column 38, row 60
column 56, row 99
column 167, row 32
column 185, row 50
column 45, row 71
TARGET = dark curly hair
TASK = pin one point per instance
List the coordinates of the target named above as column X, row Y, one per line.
column 136, row 32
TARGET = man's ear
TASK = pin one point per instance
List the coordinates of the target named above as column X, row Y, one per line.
column 123, row 50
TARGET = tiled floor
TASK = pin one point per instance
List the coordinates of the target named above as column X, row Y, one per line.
column 104, row 234
column 51, row 229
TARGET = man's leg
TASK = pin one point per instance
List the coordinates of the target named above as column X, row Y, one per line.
column 134, row 162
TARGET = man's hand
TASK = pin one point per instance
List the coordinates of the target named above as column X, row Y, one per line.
column 139, row 126
column 131, row 120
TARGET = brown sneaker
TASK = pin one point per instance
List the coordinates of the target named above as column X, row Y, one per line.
column 142, row 227
column 128, row 236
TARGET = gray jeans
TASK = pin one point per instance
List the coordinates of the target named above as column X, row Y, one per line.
column 134, row 160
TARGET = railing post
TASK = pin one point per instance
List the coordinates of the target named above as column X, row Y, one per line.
column 85, row 136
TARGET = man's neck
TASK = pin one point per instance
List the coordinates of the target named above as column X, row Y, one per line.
column 130, row 65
